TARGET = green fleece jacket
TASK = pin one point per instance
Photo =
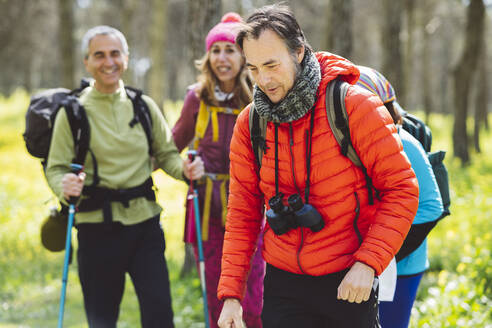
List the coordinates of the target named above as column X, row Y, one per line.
column 121, row 152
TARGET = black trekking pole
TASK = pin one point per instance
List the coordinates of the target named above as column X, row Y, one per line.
column 76, row 168
column 191, row 156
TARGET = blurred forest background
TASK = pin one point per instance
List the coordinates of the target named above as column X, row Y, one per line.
column 434, row 52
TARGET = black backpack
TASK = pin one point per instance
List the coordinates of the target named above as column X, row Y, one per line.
column 40, row 119
column 44, row 107
column 420, row 131
column 418, row 232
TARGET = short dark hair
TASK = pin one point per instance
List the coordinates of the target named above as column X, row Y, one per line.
column 278, row 18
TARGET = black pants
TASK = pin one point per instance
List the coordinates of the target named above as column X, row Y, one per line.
column 106, row 254
column 292, row 300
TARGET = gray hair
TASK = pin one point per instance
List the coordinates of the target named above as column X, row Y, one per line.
column 102, row 30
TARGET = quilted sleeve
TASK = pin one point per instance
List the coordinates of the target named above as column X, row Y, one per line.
column 184, row 129
column 164, row 149
column 244, row 213
column 379, row 147
column 60, row 155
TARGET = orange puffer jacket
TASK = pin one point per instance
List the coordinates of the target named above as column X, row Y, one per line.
column 335, row 181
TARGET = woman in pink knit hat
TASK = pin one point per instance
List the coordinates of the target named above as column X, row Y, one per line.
column 206, row 124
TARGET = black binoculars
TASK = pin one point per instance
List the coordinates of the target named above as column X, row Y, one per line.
column 282, row 218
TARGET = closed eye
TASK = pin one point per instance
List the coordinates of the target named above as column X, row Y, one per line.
column 251, row 67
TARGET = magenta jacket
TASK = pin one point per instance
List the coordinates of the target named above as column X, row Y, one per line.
column 215, row 155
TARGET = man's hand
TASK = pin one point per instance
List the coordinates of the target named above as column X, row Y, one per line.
column 194, row 170
column 357, row 284
column 72, row 184
column 231, row 315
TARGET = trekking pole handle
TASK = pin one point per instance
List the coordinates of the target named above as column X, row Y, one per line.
column 191, row 156
column 76, row 169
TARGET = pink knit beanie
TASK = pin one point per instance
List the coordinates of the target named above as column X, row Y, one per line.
column 226, row 30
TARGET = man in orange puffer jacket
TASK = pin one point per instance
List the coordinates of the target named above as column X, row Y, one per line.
column 324, row 259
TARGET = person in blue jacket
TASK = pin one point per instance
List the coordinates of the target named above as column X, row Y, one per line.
column 410, row 268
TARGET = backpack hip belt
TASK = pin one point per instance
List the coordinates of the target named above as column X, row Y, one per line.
column 101, row 198
column 208, row 179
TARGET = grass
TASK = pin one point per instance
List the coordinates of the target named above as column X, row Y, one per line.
column 456, row 292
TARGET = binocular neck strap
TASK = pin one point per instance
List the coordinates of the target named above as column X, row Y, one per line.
column 309, row 146
column 276, row 159
column 309, row 150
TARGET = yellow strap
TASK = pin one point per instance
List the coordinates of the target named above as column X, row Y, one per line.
column 206, row 209
column 221, row 176
column 209, row 179
column 215, row 126
column 201, row 124
column 225, row 110
column 205, row 114
column 223, row 200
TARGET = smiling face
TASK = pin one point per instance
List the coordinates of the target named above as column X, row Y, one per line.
column 271, row 64
column 226, row 61
column 106, row 62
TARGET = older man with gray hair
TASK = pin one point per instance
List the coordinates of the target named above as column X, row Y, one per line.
column 118, row 222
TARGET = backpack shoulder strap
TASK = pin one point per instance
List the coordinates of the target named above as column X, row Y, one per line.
column 201, row 124
column 257, row 131
column 418, row 129
column 336, row 112
column 79, row 125
column 337, row 115
column 436, row 159
column 141, row 113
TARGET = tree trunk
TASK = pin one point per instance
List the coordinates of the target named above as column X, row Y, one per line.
column 157, row 51
column 65, row 30
column 426, row 73
column 28, row 76
column 113, row 15
column 178, row 73
column 127, row 11
column 481, row 83
column 426, row 76
column 463, row 75
column 447, row 42
column 340, row 40
column 202, row 16
column 392, row 54
column 404, row 95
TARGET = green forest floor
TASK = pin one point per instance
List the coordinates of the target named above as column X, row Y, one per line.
column 456, row 292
